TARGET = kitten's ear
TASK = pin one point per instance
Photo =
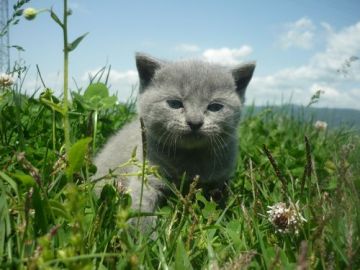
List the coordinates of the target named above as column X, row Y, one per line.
column 242, row 76
column 146, row 66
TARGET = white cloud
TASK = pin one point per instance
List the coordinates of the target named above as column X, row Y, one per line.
column 227, row 56
column 121, row 83
column 321, row 72
column 340, row 46
column 129, row 76
column 299, row 34
column 187, row 48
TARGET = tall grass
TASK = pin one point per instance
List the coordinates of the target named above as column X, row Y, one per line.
column 48, row 222
column 292, row 202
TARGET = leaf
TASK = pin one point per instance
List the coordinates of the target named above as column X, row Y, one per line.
column 10, row 181
column 41, row 220
column 25, row 179
column 18, row 48
column 77, row 154
column 108, row 193
column 72, row 46
column 79, row 98
column 52, row 105
column 209, row 209
column 96, row 90
column 181, row 257
column 56, row 18
column 59, row 209
column 108, row 102
column 96, row 97
column 5, row 227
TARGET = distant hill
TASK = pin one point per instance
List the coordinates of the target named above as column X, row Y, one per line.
column 349, row 118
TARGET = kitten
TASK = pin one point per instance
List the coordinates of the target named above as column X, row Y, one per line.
column 191, row 111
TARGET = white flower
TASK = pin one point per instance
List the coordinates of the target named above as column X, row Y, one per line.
column 6, row 80
column 286, row 219
column 320, row 125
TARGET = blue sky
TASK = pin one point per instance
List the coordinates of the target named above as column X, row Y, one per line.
column 299, row 46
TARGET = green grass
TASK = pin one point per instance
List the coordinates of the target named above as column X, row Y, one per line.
column 50, row 222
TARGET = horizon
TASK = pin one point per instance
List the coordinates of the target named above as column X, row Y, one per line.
column 299, row 47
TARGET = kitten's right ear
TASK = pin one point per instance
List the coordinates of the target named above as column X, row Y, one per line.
column 146, row 66
column 242, row 76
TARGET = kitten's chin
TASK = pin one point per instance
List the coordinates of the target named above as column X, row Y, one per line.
column 193, row 140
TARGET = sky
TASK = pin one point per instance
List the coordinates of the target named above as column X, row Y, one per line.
column 299, row 46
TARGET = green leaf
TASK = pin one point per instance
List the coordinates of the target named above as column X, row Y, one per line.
column 52, row 105
column 41, row 219
column 85, row 104
column 108, row 102
column 18, row 48
column 77, row 155
column 56, row 18
column 25, row 179
column 72, row 46
column 96, row 90
column 59, row 209
column 5, row 227
column 181, row 257
column 209, row 209
column 10, row 181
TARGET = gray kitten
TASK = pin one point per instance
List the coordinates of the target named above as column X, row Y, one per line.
column 191, row 111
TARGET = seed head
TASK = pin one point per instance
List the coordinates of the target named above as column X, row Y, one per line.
column 320, row 125
column 30, row 13
column 6, row 80
column 285, row 219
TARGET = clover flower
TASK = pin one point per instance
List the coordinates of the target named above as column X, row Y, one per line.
column 6, row 80
column 30, row 13
column 320, row 125
column 286, row 219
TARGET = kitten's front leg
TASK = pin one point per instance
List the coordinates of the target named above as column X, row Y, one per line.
column 149, row 200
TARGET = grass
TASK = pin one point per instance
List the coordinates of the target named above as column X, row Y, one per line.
column 292, row 203
column 49, row 222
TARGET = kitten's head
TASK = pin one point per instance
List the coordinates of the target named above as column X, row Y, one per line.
column 190, row 103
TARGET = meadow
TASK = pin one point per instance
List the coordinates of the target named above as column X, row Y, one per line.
column 293, row 201
column 50, row 220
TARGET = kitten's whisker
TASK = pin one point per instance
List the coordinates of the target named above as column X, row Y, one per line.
column 166, row 141
column 213, row 153
column 173, row 143
column 159, row 141
column 230, row 135
column 217, row 149
column 224, row 144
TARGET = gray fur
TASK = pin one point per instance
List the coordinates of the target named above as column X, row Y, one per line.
column 191, row 139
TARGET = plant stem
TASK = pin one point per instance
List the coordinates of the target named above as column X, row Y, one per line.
column 95, row 130
column 66, row 82
column 144, row 152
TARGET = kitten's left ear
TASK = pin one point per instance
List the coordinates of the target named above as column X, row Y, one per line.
column 242, row 76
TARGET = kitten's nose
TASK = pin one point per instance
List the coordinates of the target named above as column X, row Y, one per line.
column 195, row 125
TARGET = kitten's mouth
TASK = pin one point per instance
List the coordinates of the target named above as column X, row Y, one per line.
column 194, row 139
column 195, row 134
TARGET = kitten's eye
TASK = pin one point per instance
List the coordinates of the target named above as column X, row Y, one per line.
column 175, row 104
column 215, row 107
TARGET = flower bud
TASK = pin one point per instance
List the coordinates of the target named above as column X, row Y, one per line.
column 30, row 13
